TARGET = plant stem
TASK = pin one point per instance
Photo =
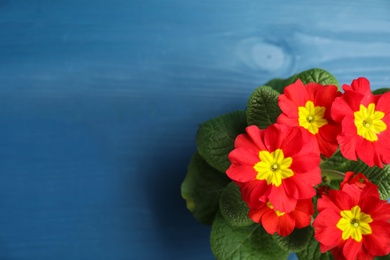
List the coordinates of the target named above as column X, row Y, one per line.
column 333, row 174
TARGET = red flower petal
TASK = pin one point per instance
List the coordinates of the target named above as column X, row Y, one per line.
column 337, row 253
column 256, row 135
column 298, row 188
column 368, row 152
column 278, row 136
column 360, row 85
column 341, row 107
column 327, row 139
column 354, row 194
column 307, row 162
column 351, row 249
column 270, row 222
column 381, row 211
column 244, row 156
column 336, row 241
column 383, row 103
column 297, row 93
column 364, row 255
column 243, row 140
column 285, row 119
column 370, row 191
column 347, row 177
column 359, row 180
column 256, row 214
column 283, row 225
column 325, row 230
column 369, row 98
column 372, row 206
column 384, row 137
column 323, row 95
column 241, row 172
column 354, row 99
column 288, row 106
column 310, row 144
column 330, row 131
column 327, row 219
column 280, row 200
column 326, row 202
column 347, row 143
column 293, row 142
column 302, row 213
column 378, row 243
column 255, row 192
column 338, row 200
column 286, row 225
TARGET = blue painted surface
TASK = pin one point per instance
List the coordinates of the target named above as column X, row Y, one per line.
column 100, row 101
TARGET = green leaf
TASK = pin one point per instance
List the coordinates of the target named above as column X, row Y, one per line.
column 312, row 75
column 312, row 251
column 202, row 188
column 263, row 108
column 335, row 183
column 296, row 241
column 336, row 162
column 279, row 84
column 317, row 75
column 379, row 176
column 381, row 91
column 250, row 242
column 386, row 257
column 233, row 208
column 215, row 138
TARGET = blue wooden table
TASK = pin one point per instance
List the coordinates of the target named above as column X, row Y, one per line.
column 100, row 102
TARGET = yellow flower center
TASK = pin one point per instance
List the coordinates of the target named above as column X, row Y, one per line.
column 311, row 117
column 273, row 167
column 354, row 224
column 369, row 122
column 278, row 213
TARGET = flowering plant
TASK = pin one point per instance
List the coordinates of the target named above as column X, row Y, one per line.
column 303, row 169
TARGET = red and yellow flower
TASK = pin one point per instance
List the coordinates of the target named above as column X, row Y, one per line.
column 275, row 221
column 353, row 223
column 365, row 121
column 309, row 107
column 275, row 164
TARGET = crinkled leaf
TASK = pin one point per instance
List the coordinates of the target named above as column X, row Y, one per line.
column 381, row 91
column 380, row 177
column 312, row 251
column 279, row 84
column 317, row 75
column 312, row 75
column 233, row 208
column 250, row 242
column 215, row 138
column 263, row 108
column 202, row 188
column 296, row 241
